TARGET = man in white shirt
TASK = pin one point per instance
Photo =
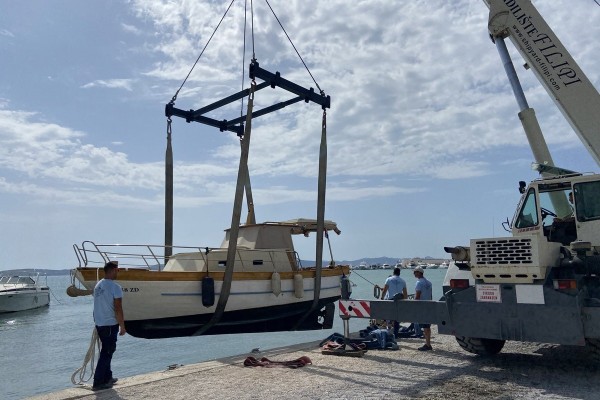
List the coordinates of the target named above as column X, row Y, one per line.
column 394, row 287
column 109, row 320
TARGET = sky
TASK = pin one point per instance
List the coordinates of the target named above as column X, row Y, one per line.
column 425, row 148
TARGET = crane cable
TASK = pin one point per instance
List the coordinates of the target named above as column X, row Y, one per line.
column 202, row 52
column 174, row 98
column 299, row 56
column 244, row 45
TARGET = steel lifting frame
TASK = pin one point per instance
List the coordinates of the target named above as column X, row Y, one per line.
column 236, row 125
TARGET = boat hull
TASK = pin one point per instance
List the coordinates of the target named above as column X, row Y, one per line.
column 21, row 300
column 255, row 320
column 172, row 304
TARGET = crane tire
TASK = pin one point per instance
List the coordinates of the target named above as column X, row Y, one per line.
column 480, row 346
column 594, row 348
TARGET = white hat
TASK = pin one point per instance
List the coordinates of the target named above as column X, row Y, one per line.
column 419, row 269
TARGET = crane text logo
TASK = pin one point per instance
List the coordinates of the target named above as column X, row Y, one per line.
column 550, row 58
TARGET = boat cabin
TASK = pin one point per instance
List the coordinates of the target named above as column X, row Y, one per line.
column 264, row 247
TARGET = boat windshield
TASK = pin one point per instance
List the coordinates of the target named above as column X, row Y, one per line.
column 3, row 279
column 26, row 280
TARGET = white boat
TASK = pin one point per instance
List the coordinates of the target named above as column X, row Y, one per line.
column 20, row 293
column 270, row 289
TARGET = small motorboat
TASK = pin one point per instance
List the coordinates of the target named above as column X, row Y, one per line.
column 20, row 293
column 270, row 290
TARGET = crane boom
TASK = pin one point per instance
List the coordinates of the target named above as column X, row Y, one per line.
column 552, row 64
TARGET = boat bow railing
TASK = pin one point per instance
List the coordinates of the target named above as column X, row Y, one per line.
column 140, row 256
column 150, row 257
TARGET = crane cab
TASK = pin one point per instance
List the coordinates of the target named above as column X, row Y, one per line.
column 547, row 227
column 562, row 209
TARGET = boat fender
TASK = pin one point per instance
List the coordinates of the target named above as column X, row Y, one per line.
column 276, row 283
column 346, row 287
column 299, row 286
column 208, row 291
column 377, row 291
column 73, row 291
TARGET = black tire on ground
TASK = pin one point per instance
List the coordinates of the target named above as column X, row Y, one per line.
column 594, row 348
column 482, row 347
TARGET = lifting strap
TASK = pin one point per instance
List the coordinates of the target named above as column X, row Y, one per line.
column 235, row 219
column 168, row 195
column 320, row 218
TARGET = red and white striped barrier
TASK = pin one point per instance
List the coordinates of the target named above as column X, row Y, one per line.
column 355, row 308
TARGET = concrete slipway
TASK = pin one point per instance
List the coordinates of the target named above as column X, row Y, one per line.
column 521, row 371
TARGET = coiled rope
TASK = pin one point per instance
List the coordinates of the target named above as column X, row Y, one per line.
column 90, row 358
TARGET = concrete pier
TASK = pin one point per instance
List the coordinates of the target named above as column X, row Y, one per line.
column 521, row 371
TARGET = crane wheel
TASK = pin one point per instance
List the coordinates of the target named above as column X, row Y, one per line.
column 480, row 346
column 594, row 347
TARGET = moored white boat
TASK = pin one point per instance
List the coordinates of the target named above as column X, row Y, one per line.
column 270, row 289
column 20, row 293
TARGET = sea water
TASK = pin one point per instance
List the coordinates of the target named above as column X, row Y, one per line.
column 40, row 349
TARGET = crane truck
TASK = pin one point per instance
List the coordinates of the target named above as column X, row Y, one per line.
column 547, row 273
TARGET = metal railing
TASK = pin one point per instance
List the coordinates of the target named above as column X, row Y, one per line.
column 141, row 256
column 152, row 257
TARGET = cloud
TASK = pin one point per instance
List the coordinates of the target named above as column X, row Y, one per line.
column 126, row 84
column 417, row 89
column 4, row 32
column 131, row 29
column 396, row 112
column 57, row 164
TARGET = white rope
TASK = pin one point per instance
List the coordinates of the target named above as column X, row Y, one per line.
column 89, row 359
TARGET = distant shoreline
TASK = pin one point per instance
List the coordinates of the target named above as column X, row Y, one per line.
column 41, row 271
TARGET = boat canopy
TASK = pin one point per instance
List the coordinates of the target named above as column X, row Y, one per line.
column 305, row 226
column 274, row 235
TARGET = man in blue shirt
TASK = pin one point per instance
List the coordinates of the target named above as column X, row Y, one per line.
column 394, row 286
column 109, row 320
column 423, row 292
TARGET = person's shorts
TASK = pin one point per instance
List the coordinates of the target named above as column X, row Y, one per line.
column 425, row 325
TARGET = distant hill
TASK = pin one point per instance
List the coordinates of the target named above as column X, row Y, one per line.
column 33, row 271
column 369, row 260
column 376, row 260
